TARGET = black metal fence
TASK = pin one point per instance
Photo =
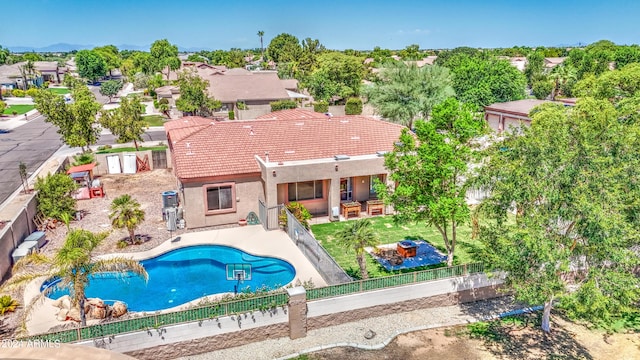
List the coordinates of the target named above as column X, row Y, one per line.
column 315, row 253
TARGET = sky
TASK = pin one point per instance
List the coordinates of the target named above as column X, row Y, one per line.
column 346, row 24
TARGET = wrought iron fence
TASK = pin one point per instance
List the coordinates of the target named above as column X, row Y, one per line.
column 331, row 272
column 158, row 320
column 393, row 281
column 269, row 215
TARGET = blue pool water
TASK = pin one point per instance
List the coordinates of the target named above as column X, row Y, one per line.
column 183, row 275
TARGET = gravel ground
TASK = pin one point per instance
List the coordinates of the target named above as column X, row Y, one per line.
column 386, row 328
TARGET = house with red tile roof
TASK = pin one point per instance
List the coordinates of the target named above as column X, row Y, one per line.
column 515, row 114
column 224, row 168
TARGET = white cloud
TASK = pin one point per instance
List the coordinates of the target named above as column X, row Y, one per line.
column 414, row 32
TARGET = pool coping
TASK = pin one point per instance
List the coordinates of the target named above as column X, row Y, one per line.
column 252, row 239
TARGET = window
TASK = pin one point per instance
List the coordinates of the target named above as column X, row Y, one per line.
column 307, row 190
column 220, row 198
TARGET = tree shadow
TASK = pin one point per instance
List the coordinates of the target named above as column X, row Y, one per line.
column 520, row 336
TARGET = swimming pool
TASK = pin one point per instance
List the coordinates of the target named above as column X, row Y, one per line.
column 186, row 274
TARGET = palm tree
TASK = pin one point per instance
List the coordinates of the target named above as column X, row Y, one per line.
column 126, row 213
column 261, row 34
column 357, row 235
column 74, row 264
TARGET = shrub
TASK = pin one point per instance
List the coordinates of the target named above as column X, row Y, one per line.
column 7, row 304
column 163, row 101
column 321, row 106
column 54, row 195
column 542, row 89
column 353, row 106
column 32, row 92
column 45, row 85
column 232, row 115
column 283, row 105
column 3, row 106
column 83, row 159
column 299, row 211
column 241, row 105
column 156, row 104
column 17, row 93
column 14, row 113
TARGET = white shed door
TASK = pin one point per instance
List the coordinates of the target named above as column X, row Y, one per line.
column 113, row 162
column 129, row 166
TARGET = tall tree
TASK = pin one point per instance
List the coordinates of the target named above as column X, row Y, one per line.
column 407, row 92
column 110, row 88
column 571, row 179
column 560, row 75
column 165, row 56
column 194, row 98
column 535, row 67
column 482, row 81
column 4, row 54
column 111, row 56
column 74, row 264
column 430, row 169
column 341, row 73
column 358, row 235
column 90, row 65
column 126, row 214
column 411, row 52
column 284, row 48
column 126, row 121
column 261, row 35
column 76, row 120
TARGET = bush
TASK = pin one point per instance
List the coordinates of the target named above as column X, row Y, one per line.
column 283, row 105
column 83, row 159
column 299, row 211
column 241, row 105
column 542, row 89
column 54, row 195
column 353, row 106
column 32, row 92
column 163, row 101
column 17, row 93
column 45, row 85
column 7, row 304
column 321, row 106
column 3, row 106
column 14, row 113
column 232, row 115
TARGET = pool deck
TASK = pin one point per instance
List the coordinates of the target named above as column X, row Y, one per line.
column 252, row 239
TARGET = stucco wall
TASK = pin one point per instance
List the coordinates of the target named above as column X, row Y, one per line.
column 15, row 231
column 102, row 168
column 248, row 192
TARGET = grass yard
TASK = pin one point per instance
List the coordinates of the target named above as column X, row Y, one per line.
column 59, row 91
column 154, row 120
column 19, row 109
column 129, row 149
column 388, row 233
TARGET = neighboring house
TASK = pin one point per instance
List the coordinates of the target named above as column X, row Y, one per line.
column 251, row 88
column 510, row 114
column 552, row 62
column 11, row 78
column 224, row 168
column 429, row 60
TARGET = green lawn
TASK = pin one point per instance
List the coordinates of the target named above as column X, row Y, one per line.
column 60, row 91
column 129, row 149
column 388, row 233
column 154, row 120
column 20, row 109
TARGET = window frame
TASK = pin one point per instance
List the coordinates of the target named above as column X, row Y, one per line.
column 205, row 190
column 315, row 187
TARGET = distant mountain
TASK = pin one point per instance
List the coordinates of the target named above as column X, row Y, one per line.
column 64, row 47
column 60, row 47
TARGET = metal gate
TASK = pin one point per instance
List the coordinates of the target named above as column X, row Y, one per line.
column 269, row 216
column 159, row 158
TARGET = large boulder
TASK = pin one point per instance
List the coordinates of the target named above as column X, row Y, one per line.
column 74, row 314
column 118, row 309
column 63, row 302
column 97, row 312
column 62, row 314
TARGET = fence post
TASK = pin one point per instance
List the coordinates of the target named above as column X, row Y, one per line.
column 297, row 310
column 465, row 269
column 79, row 334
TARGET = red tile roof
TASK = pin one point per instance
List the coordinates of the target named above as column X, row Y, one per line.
column 229, row 147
